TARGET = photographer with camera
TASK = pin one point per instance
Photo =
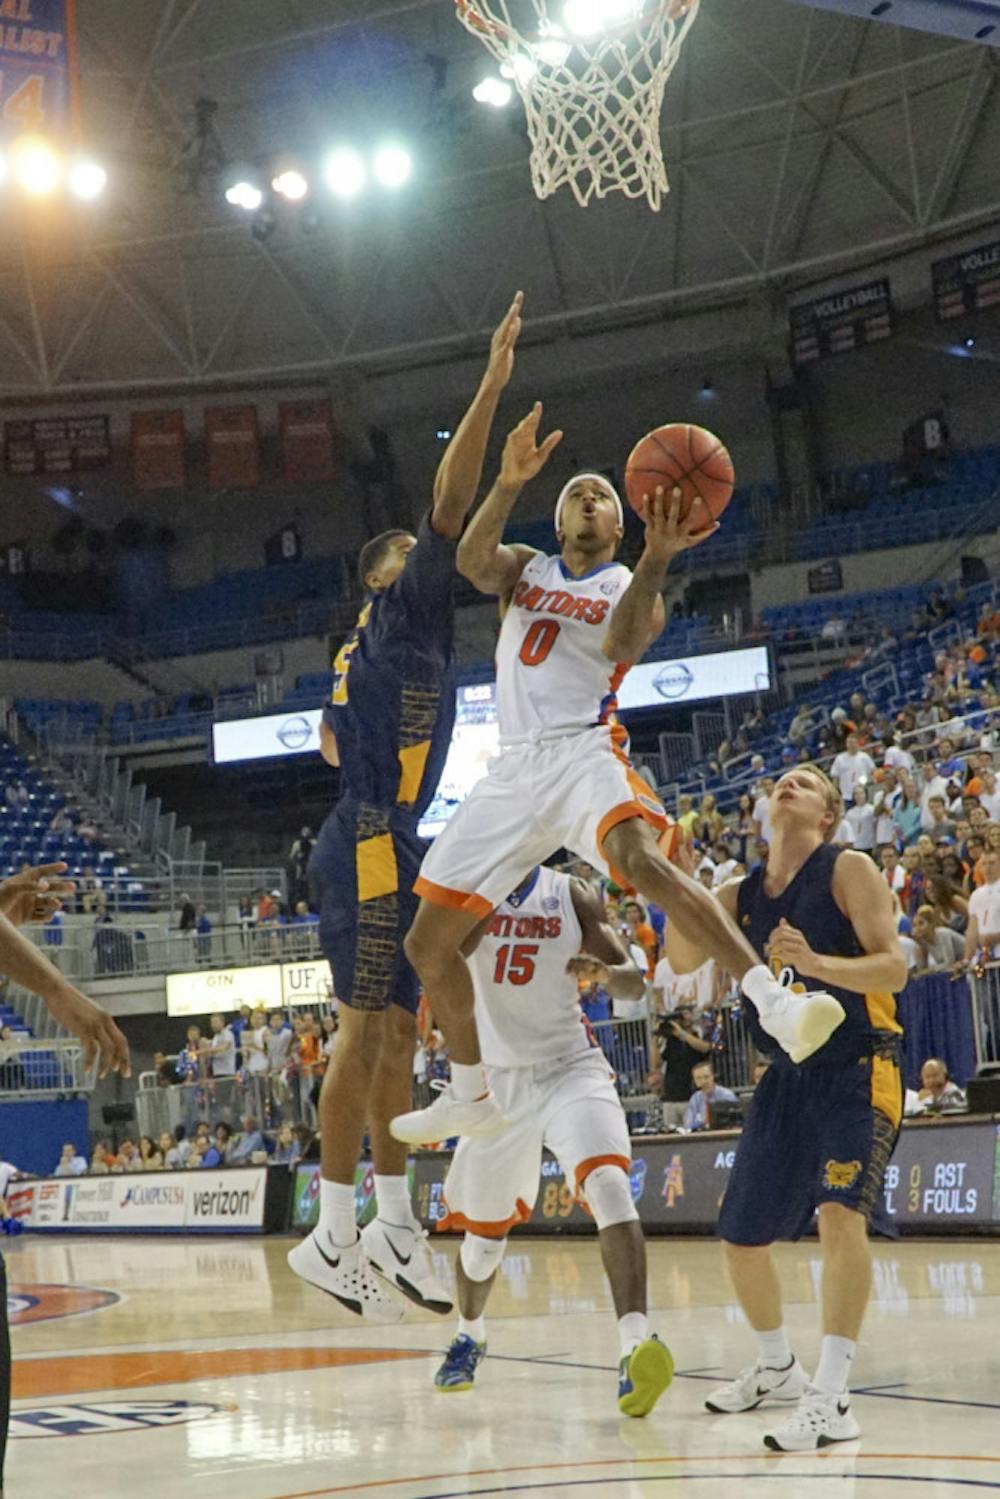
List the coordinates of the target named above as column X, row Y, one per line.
column 681, row 1049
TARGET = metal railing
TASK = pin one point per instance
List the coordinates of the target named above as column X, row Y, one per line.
column 123, row 950
column 31, row 1068
column 273, row 1098
column 984, row 984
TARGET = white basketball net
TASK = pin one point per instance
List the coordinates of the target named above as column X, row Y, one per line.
column 592, row 86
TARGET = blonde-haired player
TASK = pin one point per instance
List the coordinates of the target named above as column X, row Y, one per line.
column 817, row 1136
column 557, row 1091
column 573, row 625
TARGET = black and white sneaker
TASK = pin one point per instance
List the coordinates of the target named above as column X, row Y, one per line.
column 756, row 1385
column 402, row 1256
column 819, row 1420
column 344, row 1274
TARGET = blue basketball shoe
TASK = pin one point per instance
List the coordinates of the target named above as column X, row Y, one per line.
column 458, row 1372
column 643, row 1375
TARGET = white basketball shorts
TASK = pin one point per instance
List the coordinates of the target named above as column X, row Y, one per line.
column 568, row 1105
column 537, row 798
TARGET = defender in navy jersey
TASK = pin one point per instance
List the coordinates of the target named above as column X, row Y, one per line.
column 819, row 1133
column 387, row 726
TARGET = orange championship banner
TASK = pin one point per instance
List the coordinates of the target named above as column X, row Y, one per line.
column 157, row 451
column 232, row 434
column 306, row 441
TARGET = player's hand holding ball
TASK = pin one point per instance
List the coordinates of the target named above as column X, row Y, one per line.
column 668, row 531
column 523, row 457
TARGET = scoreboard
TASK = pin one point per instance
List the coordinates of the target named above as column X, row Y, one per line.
column 841, row 321
column 967, row 282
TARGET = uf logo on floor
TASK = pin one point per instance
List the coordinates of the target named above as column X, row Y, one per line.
column 108, row 1416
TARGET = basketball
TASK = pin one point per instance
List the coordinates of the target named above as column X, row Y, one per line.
column 685, row 457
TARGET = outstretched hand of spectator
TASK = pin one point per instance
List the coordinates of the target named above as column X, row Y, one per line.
column 34, row 894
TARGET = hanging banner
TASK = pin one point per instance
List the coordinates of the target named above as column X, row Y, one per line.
column 38, row 73
column 233, row 439
column 157, row 449
column 56, row 444
column 966, row 283
column 841, row 321
column 306, row 441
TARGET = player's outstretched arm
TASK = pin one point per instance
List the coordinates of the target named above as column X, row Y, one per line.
column 482, row 557
column 101, row 1038
column 461, row 469
column 863, row 896
column 639, row 616
column 683, row 955
column 601, row 948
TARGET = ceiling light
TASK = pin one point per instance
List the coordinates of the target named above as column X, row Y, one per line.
column 290, row 184
column 87, row 180
column 345, row 172
column 392, row 165
column 522, row 69
column 553, row 47
column 3, row 167
column 970, row 342
column 493, row 91
column 245, row 195
column 583, row 17
column 36, row 166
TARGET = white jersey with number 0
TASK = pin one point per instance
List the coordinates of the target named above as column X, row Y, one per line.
column 552, row 675
column 527, row 1005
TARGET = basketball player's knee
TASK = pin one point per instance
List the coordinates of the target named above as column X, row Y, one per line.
column 633, row 853
column 840, row 1225
column 481, row 1257
column 609, row 1196
column 359, row 1038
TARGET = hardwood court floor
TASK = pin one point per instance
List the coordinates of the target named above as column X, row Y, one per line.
column 204, row 1368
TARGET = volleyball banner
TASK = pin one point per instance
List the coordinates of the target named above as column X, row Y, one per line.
column 38, row 73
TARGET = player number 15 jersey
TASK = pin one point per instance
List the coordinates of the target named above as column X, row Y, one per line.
column 552, row 675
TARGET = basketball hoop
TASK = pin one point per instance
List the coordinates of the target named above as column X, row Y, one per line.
column 592, row 88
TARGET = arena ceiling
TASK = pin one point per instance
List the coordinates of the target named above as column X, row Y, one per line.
column 799, row 144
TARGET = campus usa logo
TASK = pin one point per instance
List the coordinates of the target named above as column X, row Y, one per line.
column 674, row 680
column 295, row 733
column 92, row 1420
column 141, row 1196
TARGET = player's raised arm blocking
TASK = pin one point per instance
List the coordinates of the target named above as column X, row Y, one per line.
column 639, row 615
column 482, row 556
column 461, row 469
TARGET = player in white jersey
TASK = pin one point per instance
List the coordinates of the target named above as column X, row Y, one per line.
column 573, row 625
column 556, row 1090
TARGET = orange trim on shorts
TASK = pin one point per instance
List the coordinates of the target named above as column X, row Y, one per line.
column 459, row 1223
column 455, row 900
column 592, row 1162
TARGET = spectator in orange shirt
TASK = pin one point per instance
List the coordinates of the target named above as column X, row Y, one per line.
column 641, row 933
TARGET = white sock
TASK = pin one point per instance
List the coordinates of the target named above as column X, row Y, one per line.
column 336, row 1212
column 392, row 1198
column 468, row 1081
column 760, row 985
column 834, row 1368
column 774, row 1350
column 473, row 1327
column 633, row 1329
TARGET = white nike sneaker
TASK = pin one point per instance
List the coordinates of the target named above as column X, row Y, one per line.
column 402, row 1256
column 448, row 1116
column 344, row 1274
column 757, row 1384
column 801, row 1023
column 819, row 1420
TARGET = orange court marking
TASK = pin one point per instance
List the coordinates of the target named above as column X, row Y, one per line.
column 626, row 1462
column 130, row 1371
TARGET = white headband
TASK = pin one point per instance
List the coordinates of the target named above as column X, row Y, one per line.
column 605, row 484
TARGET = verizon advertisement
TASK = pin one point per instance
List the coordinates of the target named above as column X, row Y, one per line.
column 230, row 1201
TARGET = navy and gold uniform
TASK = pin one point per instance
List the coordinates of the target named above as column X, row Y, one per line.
column 392, row 709
column 823, row 1130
